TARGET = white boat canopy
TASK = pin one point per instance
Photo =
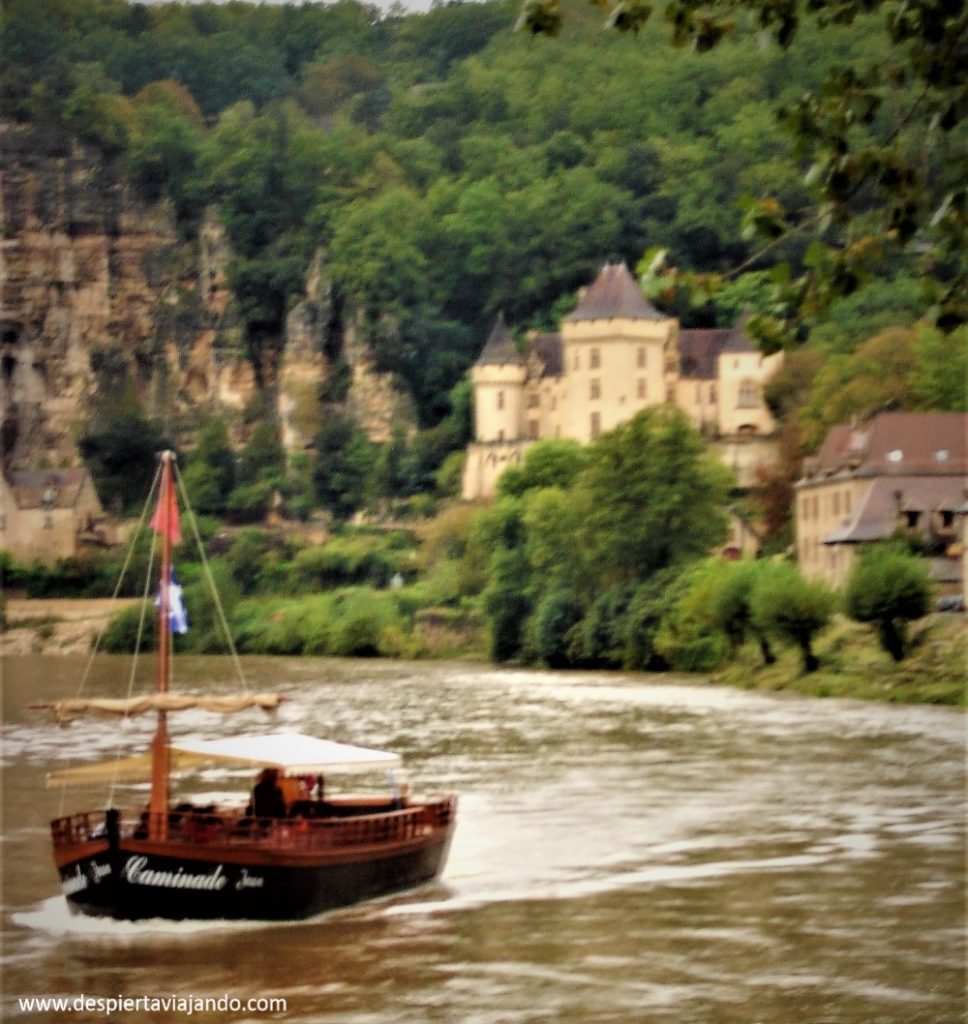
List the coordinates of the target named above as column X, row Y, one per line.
column 292, row 752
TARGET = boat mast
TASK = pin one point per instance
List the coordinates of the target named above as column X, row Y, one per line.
column 160, row 754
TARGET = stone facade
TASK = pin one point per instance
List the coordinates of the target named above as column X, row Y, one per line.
column 46, row 515
column 615, row 355
column 901, row 473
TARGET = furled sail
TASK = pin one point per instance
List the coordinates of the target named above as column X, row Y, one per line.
column 70, row 708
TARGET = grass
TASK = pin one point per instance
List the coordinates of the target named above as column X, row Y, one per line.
column 852, row 664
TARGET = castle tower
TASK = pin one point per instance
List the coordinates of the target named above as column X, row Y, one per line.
column 620, row 354
column 498, row 377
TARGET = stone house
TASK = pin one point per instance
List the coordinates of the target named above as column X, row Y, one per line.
column 614, row 356
column 900, row 473
column 46, row 514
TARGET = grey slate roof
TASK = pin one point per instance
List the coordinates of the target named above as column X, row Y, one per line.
column 499, row 347
column 614, row 295
column 699, row 352
column 547, row 347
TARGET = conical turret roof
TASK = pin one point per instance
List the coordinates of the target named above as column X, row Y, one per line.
column 500, row 347
column 614, row 295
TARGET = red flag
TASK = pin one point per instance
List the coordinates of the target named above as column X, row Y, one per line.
column 165, row 520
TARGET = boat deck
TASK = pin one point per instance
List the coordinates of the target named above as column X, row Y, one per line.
column 311, row 826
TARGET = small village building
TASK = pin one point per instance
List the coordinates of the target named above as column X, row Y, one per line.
column 901, row 474
column 45, row 515
column 614, row 356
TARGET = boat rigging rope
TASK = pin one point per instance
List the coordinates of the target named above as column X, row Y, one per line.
column 117, row 586
column 134, row 664
column 223, row 621
column 114, row 596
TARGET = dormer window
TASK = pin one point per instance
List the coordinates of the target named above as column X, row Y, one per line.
column 941, row 455
column 895, row 456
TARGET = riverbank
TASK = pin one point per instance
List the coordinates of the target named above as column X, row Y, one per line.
column 56, row 626
column 851, row 662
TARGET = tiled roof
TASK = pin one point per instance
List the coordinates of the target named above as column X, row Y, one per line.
column 699, row 351
column 876, row 514
column 547, row 347
column 499, row 347
column 896, row 444
column 61, row 487
column 614, row 295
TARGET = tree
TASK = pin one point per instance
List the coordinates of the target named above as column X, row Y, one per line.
column 785, row 604
column 506, row 603
column 551, row 463
column 344, row 460
column 210, row 474
column 119, row 450
column 653, row 496
column 732, row 608
column 259, row 473
column 863, row 133
column 888, row 588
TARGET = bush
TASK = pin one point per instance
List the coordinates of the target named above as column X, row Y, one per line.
column 788, row 606
column 121, row 636
column 688, row 638
column 601, row 635
column 550, row 628
column 732, row 609
column 649, row 604
column 888, row 588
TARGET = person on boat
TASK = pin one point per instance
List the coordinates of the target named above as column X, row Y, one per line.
column 267, row 798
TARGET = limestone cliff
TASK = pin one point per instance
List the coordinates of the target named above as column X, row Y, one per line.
column 96, row 285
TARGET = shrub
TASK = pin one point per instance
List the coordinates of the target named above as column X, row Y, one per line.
column 550, row 628
column 789, row 606
column 888, row 588
column 121, row 636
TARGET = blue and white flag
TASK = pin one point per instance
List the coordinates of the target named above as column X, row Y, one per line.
column 177, row 616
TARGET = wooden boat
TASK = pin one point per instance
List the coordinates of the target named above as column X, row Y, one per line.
column 307, row 854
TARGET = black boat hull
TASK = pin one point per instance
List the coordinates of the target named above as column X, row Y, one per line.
column 130, row 884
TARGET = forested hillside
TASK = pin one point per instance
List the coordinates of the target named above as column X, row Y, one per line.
column 446, row 167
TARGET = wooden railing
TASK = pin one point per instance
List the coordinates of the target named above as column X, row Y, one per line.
column 298, row 833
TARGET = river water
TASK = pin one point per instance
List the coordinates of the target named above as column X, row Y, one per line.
column 629, row 849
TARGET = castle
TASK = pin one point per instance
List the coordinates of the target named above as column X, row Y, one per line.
column 614, row 356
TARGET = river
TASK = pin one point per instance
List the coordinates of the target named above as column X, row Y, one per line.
column 629, row 849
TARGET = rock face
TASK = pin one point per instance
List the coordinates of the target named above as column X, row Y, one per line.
column 97, row 288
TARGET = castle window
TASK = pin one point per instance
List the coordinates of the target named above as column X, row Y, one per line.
column 595, row 360
column 595, row 389
column 712, row 394
column 533, row 429
column 577, row 362
column 533, row 400
column 500, row 435
column 640, row 357
column 500, row 399
column 640, row 388
column 596, row 424
column 749, row 394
